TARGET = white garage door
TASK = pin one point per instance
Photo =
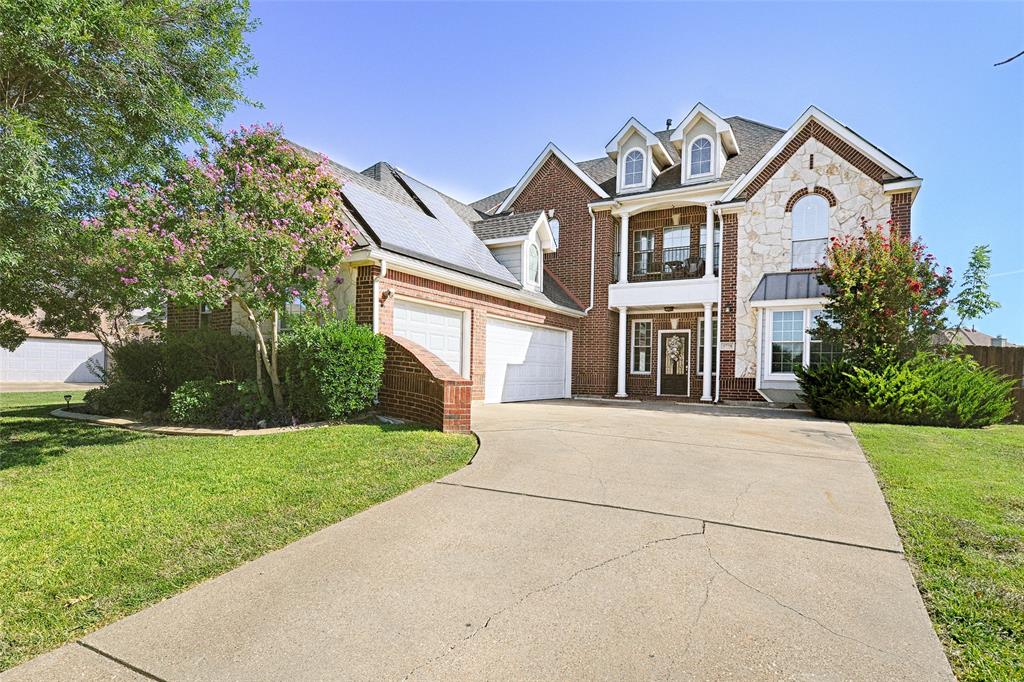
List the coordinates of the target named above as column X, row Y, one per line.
column 439, row 330
column 525, row 362
column 51, row 360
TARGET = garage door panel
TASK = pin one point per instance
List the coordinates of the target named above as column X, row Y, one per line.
column 52, row 360
column 439, row 330
column 524, row 362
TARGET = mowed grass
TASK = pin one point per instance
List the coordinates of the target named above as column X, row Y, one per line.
column 96, row 522
column 957, row 496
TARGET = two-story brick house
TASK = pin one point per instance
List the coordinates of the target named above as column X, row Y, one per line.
column 626, row 275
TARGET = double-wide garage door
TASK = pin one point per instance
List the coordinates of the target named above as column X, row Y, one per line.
column 524, row 362
column 52, row 360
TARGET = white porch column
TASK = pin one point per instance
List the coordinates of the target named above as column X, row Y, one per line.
column 624, row 249
column 709, row 243
column 621, row 388
column 706, row 387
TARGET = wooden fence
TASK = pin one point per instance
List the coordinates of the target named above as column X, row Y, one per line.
column 1009, row 361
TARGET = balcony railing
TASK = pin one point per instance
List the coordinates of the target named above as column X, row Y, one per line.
column 674, row 263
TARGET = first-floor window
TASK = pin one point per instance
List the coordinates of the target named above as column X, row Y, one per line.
column 291, row 308
column 641, row 347
column 205, row 316
column 700, row 347
column 793, row 343
column 787, row 340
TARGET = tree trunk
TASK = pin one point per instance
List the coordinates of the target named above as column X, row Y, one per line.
column 275, row 381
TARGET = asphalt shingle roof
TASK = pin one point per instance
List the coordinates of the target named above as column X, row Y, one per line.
column 506, row 225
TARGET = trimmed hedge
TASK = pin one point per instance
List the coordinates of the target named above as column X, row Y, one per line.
column 926, row 390
column 331, row 369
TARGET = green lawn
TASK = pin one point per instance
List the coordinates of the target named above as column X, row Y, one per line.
column 957, row 496
column 96, row 523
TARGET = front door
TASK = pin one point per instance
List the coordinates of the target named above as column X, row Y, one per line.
column 675, row 363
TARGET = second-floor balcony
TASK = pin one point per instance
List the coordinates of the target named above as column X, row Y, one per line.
column 668, row 264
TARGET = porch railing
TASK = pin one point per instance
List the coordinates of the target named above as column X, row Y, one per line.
column 673, row 263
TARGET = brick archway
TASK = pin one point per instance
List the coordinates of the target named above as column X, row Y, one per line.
column 800, row 194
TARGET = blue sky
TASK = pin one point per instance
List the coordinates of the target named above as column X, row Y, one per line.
column 464, row 96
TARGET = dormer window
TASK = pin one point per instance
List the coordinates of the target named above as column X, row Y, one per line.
column 633, row 168
column 700, row 157
column 533, row 265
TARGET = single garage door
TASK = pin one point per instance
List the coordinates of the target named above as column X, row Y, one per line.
column 525, row 362
column 439, row 330
column 52, row 360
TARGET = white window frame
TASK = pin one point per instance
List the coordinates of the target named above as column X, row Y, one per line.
column 823, row 229
column 643, row 168
column 766, row 350
column 689, row 158
column 632, row 347
column 700, row 346
column 205, row 314
column 531, row 250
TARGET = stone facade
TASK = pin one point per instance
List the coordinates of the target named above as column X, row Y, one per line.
column 764, row 230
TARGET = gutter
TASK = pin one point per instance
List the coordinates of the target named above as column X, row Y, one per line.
column 593, row 234
column 376, row 295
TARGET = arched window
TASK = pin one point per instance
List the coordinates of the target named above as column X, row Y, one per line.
column 554, row 225
column 533, row 264
column 810, row 231
column 634, row 168
column 700, row 156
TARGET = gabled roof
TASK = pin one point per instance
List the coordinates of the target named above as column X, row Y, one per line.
column 507, row 225
column 549, row 151
column 650, row 139
column 722, row 127
column 886, row 162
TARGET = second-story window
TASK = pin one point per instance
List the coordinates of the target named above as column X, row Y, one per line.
column 533, row 265
column 676, row 249
column 643, row 252
column 810, row 231
column 633, row 169
column 700, row 156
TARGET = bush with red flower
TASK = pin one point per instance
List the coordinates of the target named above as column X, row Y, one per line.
column 888, row 296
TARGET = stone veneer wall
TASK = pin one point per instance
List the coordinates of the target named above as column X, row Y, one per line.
column 764, row 228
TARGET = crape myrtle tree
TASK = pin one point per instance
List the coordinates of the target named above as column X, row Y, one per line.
column 93, row 91
column 887, row 296
column 251, row 221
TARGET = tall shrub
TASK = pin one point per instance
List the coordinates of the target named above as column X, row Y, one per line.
column 332, row 369
column 887, row 297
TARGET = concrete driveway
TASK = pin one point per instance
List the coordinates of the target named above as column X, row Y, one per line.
column 587, row 540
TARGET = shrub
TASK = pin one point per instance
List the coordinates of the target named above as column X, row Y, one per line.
column 125, row 396
column 928, row 390
column 201, row 401
column 140, row 361
column 246, row 408
column 207, row 354
column 332, row 369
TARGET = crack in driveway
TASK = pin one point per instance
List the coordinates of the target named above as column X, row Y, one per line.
column 546, row 588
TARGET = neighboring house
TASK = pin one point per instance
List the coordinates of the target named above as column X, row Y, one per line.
column 971, row 337
column 602, row 277
column 74, row 358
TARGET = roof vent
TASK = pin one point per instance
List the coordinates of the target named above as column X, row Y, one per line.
column 668, row 124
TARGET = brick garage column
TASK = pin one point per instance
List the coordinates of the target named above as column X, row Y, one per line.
column 420, row 387
column 899, row 213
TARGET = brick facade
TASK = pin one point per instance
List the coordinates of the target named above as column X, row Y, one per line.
column 731, row 387
column 645, row 385
column 419, row 387
column 188, row 318
column 595, row 346
column 899, row 208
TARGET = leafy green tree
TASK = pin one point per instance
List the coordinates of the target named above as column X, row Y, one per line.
column 887, row 297
column 252, row 221
column 93, row 91
column 973, row 300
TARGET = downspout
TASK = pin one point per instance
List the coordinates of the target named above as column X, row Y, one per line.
column 593, row 234
column 376, row 295
column 721, row 273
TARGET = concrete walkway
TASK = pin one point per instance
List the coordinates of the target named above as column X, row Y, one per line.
column 586, row 540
